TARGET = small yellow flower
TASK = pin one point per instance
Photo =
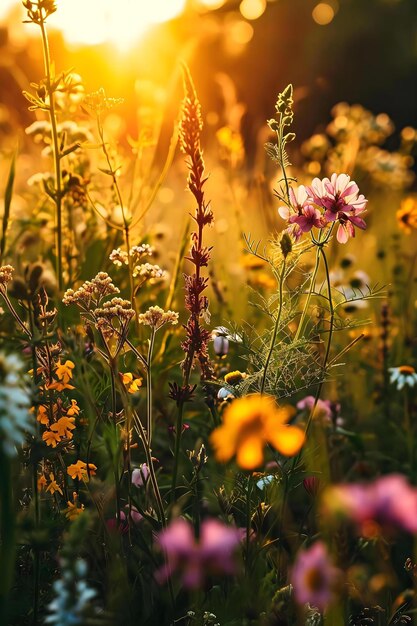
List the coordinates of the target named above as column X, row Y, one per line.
column 73, row 510
column 233, row 378
column 64, row 426
column 60, row 386
column 42, row 415
column 64, row 371
column 132, row 384
column 79, row 470
column 53, row 485
column 251, row 422
column 42, row 482
column 74, row 408
column 407, row 215
column 51, row 438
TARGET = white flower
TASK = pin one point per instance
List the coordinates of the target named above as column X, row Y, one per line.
column 404, row 375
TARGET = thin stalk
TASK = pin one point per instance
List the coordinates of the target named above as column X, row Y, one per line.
column 15, row 315
column 249, row 488
column 149, row 388
column 116, row 459
column 178, row 433
column 329, row 340
column 281, row 154
column 276, row 326
column 408, row 429
column 55, row 151
column 126, row 222
column 158, row 499
column 310, row 291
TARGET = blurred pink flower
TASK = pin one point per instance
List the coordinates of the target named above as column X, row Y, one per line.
column 212, row 554
column 140, row 475
column 340, row 199
column 123, row 526
column 323, row 407
column 389, row 501
column 135, row 516
column 314, row 577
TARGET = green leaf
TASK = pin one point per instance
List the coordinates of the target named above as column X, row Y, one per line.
column 7, row 203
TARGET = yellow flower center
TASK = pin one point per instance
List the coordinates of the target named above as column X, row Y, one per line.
column 406, row 369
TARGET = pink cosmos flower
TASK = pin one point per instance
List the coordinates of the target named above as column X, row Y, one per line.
column 308, row 218
column 340, row 199
column 301, row 213
column 314, row 577
column 299, row 199
column 389, row 501
column 212, row 554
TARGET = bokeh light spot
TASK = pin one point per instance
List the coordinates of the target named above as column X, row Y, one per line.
column 252, row 9
column 212, row 4
column 241, row 32
column 323, row 13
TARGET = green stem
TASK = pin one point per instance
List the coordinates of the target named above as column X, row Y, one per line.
column 126, row 222
column 178, row 434
column 15, row 315
column 116, row 459
column 329, row 340
column 56, row 153
column 408, row 430
column 277, row 321
column 149, row 389
column 249, row 488
column 310, row 291
column 281, row 150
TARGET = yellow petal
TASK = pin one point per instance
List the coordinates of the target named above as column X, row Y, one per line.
column 287, row 439
column 223, row 444
column 250, row 453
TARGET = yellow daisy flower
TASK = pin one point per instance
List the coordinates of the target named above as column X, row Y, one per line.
column 251, row 422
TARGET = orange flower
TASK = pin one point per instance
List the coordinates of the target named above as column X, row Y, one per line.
column 42, row 482
column 251, row 422
column 42, row 415
column 79, row 470
column 64, row 371
column 407, row 215
column 51, row 438
column 74, row 408
column 132, row 384
column 59, row 386
column 53, row 485
column 73, row 510
column 64, row 426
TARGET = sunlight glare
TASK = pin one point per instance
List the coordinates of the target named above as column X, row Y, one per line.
column 97, row 21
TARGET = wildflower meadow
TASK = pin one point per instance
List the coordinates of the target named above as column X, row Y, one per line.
column 208, row 313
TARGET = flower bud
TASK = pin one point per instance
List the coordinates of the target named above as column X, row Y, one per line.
column 221, row 345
